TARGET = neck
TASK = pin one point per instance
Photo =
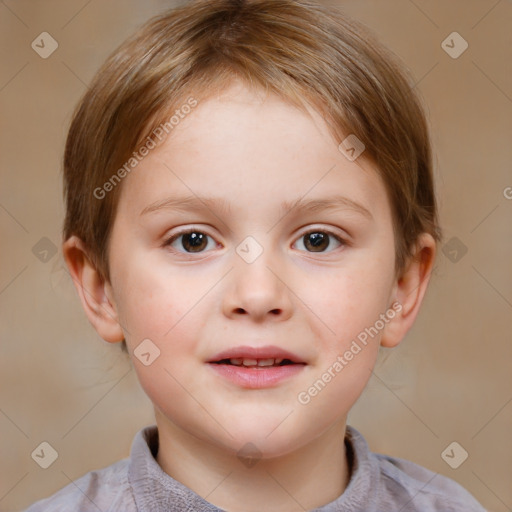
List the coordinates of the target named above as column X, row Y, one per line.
column 307, row 478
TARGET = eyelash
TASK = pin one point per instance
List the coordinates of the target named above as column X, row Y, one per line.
column 187, row 231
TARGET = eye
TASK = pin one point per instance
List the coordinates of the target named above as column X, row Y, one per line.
column 195, row 241
column 189, row 241
column 319, row 240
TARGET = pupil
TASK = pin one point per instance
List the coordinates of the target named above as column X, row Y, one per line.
column 195, row 240
column 316, row 241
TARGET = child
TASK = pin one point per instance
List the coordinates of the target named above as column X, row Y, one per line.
column 251, row 211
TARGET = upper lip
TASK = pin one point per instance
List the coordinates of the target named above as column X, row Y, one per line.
column 247, row 352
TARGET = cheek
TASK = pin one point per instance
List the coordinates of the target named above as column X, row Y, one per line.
column 150, row 299
column 348, row 339
column 164, row 311
column 147, row 311
column 168, row 307
column 347, row 301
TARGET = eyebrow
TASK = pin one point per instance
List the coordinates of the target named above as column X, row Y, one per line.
column 198, row 204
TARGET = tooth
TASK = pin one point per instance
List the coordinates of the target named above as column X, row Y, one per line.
column 236, row 362
column 279, row 360
column 265, row 362
column 250, row 362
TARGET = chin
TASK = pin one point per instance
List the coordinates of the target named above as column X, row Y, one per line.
column 265, row 438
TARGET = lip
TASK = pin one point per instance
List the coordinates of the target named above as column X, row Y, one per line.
column 254, row 377
column 266, row 352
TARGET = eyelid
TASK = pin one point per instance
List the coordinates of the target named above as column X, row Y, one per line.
column 339, row 233
column 320, row 227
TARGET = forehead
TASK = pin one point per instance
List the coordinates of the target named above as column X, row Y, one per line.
column 252, row 147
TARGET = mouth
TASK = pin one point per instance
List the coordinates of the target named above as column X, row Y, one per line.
column 256, row 367
column 256, row 357
column 256, row 363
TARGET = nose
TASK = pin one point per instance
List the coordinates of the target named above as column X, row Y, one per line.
column 257, row 290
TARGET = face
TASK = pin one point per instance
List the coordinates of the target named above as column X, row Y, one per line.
column 212, row 262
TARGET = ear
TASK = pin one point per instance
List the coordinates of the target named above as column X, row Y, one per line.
column 95, row 293
column 409, row 291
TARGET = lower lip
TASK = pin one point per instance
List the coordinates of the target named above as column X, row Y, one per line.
column 257, row 378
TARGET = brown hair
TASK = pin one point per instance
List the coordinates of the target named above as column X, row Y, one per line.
column 306, row 53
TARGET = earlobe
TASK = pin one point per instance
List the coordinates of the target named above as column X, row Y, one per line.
column 92, row 290
column 409, row 291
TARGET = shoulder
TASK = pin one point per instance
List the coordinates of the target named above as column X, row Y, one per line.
column 422, row 489
column 104, row 489
column 390, row 483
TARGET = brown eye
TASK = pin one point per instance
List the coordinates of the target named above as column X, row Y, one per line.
column 316, row 242
column 194, row 242
column 189, row 241
column 320, row 241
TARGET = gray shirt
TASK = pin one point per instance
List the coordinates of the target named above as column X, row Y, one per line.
column 378, row 483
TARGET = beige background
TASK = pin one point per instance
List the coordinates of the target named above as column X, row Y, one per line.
column 451, row 378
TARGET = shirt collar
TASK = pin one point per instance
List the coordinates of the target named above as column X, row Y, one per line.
column 156, row 491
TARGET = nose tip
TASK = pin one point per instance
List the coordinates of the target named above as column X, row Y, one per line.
column 256, row 291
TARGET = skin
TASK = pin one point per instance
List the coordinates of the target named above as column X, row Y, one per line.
column 253, row 151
